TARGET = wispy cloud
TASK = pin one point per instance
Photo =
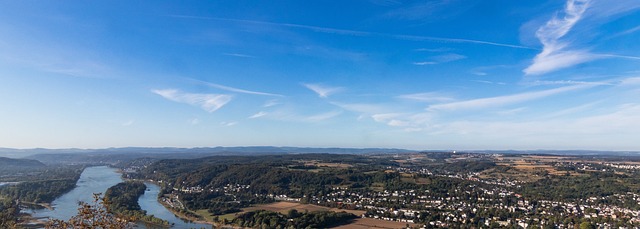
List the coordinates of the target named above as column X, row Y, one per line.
column 271, row 103
column 482, row 71
column 322, row 90
column 444, row 58
column 21, row 48
column 554, row 54
column 511, row 111
column 630, row 81
column 421, row 63
column 558, row 51
column 358, row 33
column 390, row 119
column 502, row 100
column 568, row 82
column 362, row 107
column 553, row 60
column 258, row 115
column 617, row 125
column 323, row 116
column 428, row 97
column 228, row 123
column 489, row 82
column 208, row 102
column 300, row 26
column 571, row 110
column 456, row 40
column 238, row 90
column 128, row 123
column 433, row 49
column 409, row 122
column 238, row 55
column 632, row 30
column 291, row 116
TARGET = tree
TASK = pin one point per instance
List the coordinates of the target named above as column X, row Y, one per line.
column 586, row 225
column 93, row 215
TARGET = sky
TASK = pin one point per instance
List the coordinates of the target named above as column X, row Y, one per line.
column 440, row 74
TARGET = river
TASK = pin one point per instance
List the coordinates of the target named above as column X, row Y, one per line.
column 97, row 180
column 149, row 203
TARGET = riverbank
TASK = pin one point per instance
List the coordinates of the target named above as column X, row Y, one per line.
column 33, row 205
column 26, row 220
column 183, row 216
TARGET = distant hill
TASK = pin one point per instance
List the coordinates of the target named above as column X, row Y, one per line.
column 115, row 155
column 12, row 163
column 563, row 152
column 20, row 153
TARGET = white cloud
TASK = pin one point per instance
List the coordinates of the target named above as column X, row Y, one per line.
column 271, row 103
column 385, row 117
column 258, row 115
column 289, row 116
column 410, row 121
column 554, row 55
column 208, row 102
column 398, row 123
column 362, row 107
column 567, row 82
column 631, row 81
column 238, row 90
column 128, row 123
column 238, row 55
column 439, row 59
column 448, row 57
column 194, row 121
column 571, row 110
column 511, row 111
column 425, row 63
column 348, row 32
column 483, row 70
column 612, row 130
column 322, row 90
column 228, row 123
column 433, row 50
column 427, row 97
column 502, row 100
column 489, row 82
column 323, row 116
column 551, row 60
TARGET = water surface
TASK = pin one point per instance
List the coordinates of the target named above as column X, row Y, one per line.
column 92, row 180
column 149, row 203
column 97, row 180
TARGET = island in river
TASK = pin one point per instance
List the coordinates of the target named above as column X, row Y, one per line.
column 97, row 180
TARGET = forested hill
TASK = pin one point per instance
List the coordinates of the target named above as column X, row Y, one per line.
column 116, row 155
column 8, row 163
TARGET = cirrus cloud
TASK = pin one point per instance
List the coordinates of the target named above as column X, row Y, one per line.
column 208, row 102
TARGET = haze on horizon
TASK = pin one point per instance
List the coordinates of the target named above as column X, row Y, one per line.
column 379, row 73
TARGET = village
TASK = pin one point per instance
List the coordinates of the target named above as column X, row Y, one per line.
column 489, row 202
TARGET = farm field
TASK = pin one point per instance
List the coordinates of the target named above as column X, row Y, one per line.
column 284, row 207
column 363, row 223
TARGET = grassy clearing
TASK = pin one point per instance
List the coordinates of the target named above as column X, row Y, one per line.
column 363, row 223
column 377, row 186
column 284, row 207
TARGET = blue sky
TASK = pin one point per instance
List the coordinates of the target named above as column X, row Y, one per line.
column 382, row 73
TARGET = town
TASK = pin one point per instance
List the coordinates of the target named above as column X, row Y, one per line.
column 421, row 192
